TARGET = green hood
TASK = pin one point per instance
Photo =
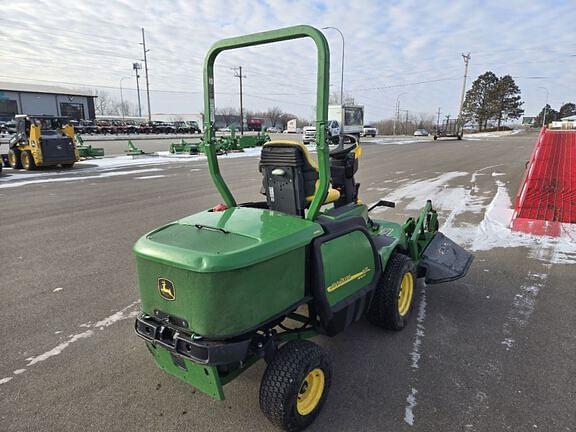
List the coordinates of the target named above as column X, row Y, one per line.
column 220, row 241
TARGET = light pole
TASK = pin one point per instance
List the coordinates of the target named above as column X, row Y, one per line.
column 137, row 67
column 122, row 97
column 341, row 84
column 397, row 113
column 545, row 106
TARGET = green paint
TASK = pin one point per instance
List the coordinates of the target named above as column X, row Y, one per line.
column 231, row 239
column 204, row 378
column 224, row 303
column 323, row 78
column 348, row 265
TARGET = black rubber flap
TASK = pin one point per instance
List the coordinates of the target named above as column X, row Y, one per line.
column 444, row 260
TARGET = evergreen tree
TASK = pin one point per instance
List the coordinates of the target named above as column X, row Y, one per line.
column 492, row 98
column 507, row 99
column 551, row 115
column 479, row 102
column 568, row 109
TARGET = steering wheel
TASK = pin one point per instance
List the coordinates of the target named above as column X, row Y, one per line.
column 348, row 144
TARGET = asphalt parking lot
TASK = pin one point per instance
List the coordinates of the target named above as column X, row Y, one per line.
column 495, row 351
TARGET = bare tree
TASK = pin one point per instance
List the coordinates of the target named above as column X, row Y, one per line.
column 273, row 114
column 228, row 114
column 334, row 99
column 104, row 103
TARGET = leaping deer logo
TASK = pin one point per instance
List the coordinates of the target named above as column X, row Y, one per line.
column 166, row 288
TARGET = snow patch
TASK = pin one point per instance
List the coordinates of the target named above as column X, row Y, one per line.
column 150, row 177
column 101, row 325
column 76, row 178
column 58, row 348
column 411, row 404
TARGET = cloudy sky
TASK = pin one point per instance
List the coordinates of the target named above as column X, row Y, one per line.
column 409, row 48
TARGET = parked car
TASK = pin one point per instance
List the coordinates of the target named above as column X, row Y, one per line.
column 144, row 128
column 309, row 134
column 160, row 127
column 131, row 127
column 421, row 132
column 273, row 129
column 105, row 127
column 193, row 126
column 368, row 130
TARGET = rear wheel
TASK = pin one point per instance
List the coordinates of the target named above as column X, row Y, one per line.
column 394, row 297
column 14, row 158
column 27, row 160
column 295, row 385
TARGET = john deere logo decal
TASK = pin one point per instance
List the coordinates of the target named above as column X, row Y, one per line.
column 166, row 289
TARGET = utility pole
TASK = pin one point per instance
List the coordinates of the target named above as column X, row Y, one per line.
column 466, row 58
column 397, row 116
column 406, row 127
column 238, row 74
column 545, row 106
column 438, row 118
column 145, row 60
column 122, row 98
column 137, row 67
column 405, row 120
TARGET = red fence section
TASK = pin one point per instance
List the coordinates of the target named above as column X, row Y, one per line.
column 547, row 197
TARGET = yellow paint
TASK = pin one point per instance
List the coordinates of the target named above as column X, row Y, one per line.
column 34, row 142
column 310, row 392
column 405, row 294
column 166, row 288
column 347, row 279
column 333, row 194
column 357, row 151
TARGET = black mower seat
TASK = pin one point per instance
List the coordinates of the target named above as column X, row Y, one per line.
column 333, row 194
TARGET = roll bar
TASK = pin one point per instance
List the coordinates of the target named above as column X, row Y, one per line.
column 323, row 79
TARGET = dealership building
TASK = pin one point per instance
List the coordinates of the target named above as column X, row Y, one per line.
column 18, row 98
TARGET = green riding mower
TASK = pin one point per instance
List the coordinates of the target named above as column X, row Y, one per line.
column 240, row 282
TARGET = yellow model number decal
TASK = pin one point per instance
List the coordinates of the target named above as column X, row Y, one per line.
column 348, row 278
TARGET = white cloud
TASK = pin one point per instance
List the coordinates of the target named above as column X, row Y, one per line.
column 387, row 44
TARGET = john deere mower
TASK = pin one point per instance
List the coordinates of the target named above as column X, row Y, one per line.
column 240, row 282
column 42, row 141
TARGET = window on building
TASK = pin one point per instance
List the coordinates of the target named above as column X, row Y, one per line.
column 8, row 109
column 74, row 111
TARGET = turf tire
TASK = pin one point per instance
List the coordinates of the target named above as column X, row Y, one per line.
column 383, row 311
column 283, row 379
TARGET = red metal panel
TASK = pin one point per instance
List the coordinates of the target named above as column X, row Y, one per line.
column 547, row 197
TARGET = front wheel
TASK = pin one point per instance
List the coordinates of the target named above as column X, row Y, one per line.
column 394, row 296
column 27, row 160
column 295, row 385
column 14, row 158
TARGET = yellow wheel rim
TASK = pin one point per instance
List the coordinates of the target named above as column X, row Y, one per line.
column 405, row 294
column 310, row 392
